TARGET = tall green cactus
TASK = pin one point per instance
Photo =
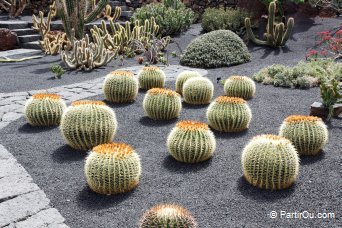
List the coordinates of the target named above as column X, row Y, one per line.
column 198, row 90
column 276, row 34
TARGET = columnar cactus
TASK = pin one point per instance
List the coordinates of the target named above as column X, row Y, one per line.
column 167, row 215
column 44, row 109
column 162, row 104
column 270, row 162
column 182, row 77
column 86, row 124
column 112, row 168
column 308, row 134
column 191, row 142
column 239, row 86
column 229, row 114
column 120, row 87
column 198, row 90
column 151, row 77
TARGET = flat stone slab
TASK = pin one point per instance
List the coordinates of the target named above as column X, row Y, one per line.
column 20, row 51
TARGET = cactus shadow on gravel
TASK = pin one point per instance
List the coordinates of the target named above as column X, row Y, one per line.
column 308, row 160
column 148, row 122
column 65, row 154
column 229, row 135
column 28, row 129
column 117, row 105
column 193, row 106
column 180, row 167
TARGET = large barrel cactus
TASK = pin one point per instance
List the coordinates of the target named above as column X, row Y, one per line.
column 120, row 87
column 167, row 216
column 191, row 142
column 229, row 114
column 198, row 90
column 44, row 109
column 162, row 104
column 239, row 86
column 112, row 168
column 151, row 77
column 308, row 134
column 86, row 124
column 182, row 77
column 270, row 162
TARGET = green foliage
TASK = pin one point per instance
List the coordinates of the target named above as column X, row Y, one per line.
column 216, row 49
column 151, row 77
column 57, row 70
column 239, row 86
column 198, row 90
column 182, row 77
column 331, row 94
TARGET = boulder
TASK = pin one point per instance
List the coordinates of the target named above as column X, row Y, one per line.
column 8, row 39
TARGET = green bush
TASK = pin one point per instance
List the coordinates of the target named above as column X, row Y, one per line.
column 171, row 18
column 216, row 49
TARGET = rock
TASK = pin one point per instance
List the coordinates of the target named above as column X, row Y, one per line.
column 317, row 109
column 327, row 12
column 8, row 39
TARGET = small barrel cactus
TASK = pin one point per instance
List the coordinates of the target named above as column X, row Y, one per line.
column 308, row 134
column 112, row 168
column 151, row 77
column 191, row 142
column 198, row 90
column 120, row 87
column 167, row 215
column 270, row 162
column 44, row 109
column 229, row 114
column 239, row 86
column 86, row 124
column 183, row 77
column 162, row 104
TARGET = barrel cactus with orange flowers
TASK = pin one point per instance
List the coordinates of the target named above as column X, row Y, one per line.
column 229, row 114
column 162, row 104
column 86, row 124
column 239, row 86
column 151, row 77
column 308, row 134
column 191, row 142
column 44, row 109
column 120, row 87
column 198, row 90
column 270, row 162
column 183, row 77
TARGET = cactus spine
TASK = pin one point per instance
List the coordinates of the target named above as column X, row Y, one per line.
column 162, row 104
column 167, row 215
column 229, row 114
column 86, row 124
column 120, row 87
column 308, row 134
column 191, row 142
column 270, row 162
column 198, row 90
column 239, row 86
column 182, row 77
column 112, row 168
column 151, row 77
column 276, row 34
column 44, row 109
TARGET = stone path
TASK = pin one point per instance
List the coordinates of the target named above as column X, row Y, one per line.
column 22, row 203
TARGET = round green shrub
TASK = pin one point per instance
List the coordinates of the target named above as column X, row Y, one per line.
column 182, row 77
column 270, row 162
column 112, row 168
column 308, row 134
column 191, row 142
column 198, row 90
column 151, row 77
column 239, row 86
column 44, row 109
column 216, row 49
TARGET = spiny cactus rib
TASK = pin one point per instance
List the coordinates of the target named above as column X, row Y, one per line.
column 308, row 134
column 229, row 114
column 270, row 162
column 239, row 86
column 151, row 77
column 167, row 215
column 198, row 90
column 162, row 104
column 121, row 87
column 44, row 109
column 191, row 142
column 183, row 77
column 86, row 124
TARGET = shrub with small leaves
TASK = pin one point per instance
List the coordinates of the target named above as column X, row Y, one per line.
column 57, row 70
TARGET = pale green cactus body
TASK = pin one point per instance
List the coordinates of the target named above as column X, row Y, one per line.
column 270, row 162
column 198, row 90
column 308, row 134
column 183, row 77
column 112, row 168
column 151, row 77
column 44, row 109
column 239, row 86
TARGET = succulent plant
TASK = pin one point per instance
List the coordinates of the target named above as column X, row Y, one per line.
column 198, row 90
column 308, row 134
column 182, row 77
column 167, row 215
column 151, row 77
column 44, row 109
column 112, row 168
column 191, row 142
column 162, row 104
column 229, row 114
column 86, row 124
column 239, row 86
column 120, row 87
column 270, row 162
